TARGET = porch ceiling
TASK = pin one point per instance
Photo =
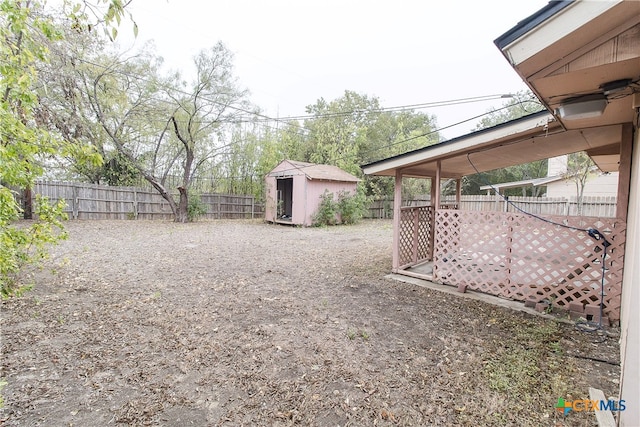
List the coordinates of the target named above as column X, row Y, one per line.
column 575, row 49
column 530, row 139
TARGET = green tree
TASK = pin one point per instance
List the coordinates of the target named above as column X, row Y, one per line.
column 159, row 124
column 25, row 144
column 522, row 104
column 579, row 167
column 354, row 129
column 338, row 130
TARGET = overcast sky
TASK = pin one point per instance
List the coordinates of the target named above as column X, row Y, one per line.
column 291, row 53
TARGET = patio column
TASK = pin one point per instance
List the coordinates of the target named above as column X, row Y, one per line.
column 435, row 206
column 458, row 192
column 397, row 204
column 437, row 185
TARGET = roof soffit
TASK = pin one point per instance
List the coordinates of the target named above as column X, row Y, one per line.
column 530, row 52
column 519, row 149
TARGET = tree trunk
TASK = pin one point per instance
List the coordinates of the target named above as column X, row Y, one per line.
column 183, row 207
column 164, row 193
column 27, row 203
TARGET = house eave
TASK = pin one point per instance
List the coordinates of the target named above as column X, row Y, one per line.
column 518, row 128
column 547, row 26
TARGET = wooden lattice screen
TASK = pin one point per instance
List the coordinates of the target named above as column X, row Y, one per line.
column 523, row 258
column 415, row 235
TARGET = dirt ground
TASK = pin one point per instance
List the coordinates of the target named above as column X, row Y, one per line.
column 231, row 323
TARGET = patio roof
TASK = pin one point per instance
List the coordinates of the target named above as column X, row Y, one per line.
column 534, row 137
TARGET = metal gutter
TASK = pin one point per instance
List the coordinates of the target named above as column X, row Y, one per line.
column 531, row 22
column 540, row 114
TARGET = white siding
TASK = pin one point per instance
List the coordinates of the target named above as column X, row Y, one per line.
column 630, row 310
column 600, row 185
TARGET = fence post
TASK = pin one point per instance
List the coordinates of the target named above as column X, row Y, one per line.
column 135, row 204
column 75, row 202
column 252, row 206
column 219, row 213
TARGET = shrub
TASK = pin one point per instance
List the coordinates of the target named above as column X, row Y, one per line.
column 327, row 213
column 22, row 245
column 348, row 209
column 351, row 207
column 195, row 208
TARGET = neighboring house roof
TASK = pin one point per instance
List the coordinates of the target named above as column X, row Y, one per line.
column 534, row 182
column 316, row 171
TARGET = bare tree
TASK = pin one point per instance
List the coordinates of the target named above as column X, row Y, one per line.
column 201, row 120
column 160, row 125
column 579, row 167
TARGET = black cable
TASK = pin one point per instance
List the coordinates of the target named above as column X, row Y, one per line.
column 506, row 199
column 591, row 326
column 435, row 131
column 588, row 326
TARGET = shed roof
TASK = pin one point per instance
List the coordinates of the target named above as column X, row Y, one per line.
column 316, row 171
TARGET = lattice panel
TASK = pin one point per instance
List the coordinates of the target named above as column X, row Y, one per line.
column 470, row 250
column 414, row 245
column 405, row 244
column 424, row 236
column 520, row 257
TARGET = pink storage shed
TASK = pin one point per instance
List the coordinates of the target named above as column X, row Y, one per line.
column 294, row 188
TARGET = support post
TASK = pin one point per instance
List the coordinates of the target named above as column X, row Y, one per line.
column 416, row 226
column 437, row 184
column 458, row 192
column 397, row 204
column 435, row 207
column 624, row 171
column 75, row 203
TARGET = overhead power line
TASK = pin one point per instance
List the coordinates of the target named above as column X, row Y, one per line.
column 408, row 107
column 289, row 119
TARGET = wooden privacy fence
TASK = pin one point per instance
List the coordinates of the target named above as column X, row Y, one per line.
column 591, row 206
column 92, row 201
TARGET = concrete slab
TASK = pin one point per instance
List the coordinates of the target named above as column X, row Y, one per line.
column 478, row 296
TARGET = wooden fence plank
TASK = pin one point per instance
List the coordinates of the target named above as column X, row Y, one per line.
column 92, row 201
column 591, row 206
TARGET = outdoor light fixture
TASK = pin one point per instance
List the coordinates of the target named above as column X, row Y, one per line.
column 583, row 107
column 614, row 87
